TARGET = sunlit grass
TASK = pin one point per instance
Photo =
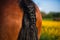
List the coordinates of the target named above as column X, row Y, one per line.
column 48, row 23
column 50, row 30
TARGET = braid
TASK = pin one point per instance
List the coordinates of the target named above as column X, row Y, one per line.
column 29, row 30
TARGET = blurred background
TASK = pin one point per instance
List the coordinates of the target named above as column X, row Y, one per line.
column 50, row 10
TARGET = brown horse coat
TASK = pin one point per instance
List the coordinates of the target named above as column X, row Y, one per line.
column 11, row 16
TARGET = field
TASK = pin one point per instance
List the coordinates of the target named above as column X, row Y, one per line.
column 50, row 30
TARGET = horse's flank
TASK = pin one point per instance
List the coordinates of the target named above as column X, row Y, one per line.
column 11, row 20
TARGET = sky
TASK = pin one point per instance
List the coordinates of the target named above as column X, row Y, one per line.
column 48, row 5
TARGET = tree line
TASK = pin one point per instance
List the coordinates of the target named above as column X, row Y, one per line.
column 51, row 15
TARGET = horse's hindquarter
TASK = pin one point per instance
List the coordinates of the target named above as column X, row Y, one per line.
column 39, row 21
column 10, row 22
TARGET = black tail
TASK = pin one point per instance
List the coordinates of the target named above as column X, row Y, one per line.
column 29, row 30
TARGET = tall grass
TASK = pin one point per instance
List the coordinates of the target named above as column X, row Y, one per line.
column 50, row 30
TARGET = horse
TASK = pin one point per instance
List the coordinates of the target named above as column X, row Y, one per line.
column 12, row 20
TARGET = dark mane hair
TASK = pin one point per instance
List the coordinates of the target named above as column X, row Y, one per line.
column 28, row 30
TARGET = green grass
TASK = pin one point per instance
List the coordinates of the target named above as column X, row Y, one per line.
column 46, row 35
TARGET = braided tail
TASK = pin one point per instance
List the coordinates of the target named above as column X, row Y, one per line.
column 29, row 30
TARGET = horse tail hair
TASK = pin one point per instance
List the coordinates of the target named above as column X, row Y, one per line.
column 29, row 29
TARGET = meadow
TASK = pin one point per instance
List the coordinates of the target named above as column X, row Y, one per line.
column 50, row 30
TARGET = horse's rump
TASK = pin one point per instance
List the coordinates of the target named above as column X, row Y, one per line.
column 12, row 21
